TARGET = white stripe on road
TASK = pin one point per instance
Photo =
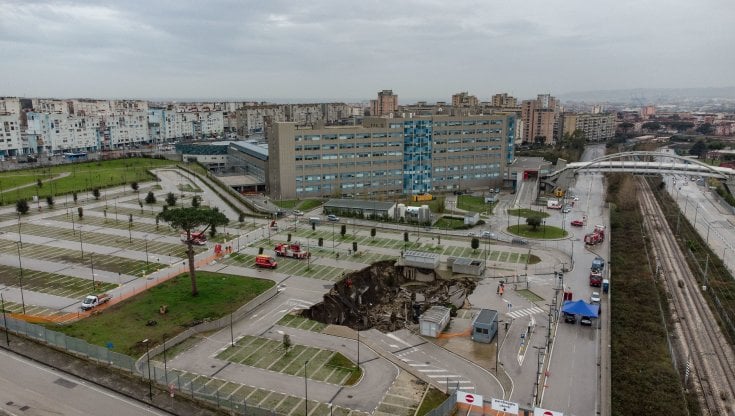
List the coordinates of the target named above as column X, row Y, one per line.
column 443, row 376
column 432, row 371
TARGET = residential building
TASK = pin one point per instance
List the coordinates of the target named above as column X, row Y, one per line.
column 389, row 156
column 386, row 104
column 541, row 119
column 61, row 132
column 596, row 127
column 464, row 99
column 251, row 118
column 504, row 100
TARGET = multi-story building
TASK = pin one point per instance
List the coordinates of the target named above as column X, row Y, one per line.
column 60, row 132
column 389, row 156
column 540, row 119
column 10, row 127
column 596, row 127
column 386, row 104
column 251, row 118
column 464, row 99
column 504, row 101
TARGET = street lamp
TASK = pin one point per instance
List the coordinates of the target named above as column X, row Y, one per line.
column 306, row 391
column 20, row 266
column 146, row 250
column 81, row 243
column 497, row 346
column 91, row 260
column 150, row 380
column 20, row 236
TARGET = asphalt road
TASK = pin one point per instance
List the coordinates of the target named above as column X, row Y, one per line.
column 31, row 389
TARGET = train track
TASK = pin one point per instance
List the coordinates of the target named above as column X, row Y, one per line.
column 701, row 342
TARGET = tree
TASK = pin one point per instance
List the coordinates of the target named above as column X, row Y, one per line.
column 39, row 183
column 372, row 232
column 96, row 193
column 405, row 236
column 75, row 197
column 533, row 222
column 705, row 128
column 343, row 230
column 196, row 201
column 80, row 211
column 22, row 207
column 625, row 127
column 170, row 199
column 699, row 149
column 190, row 220
column 652, row 126
column 134, row 186
column 50, row 201
column 241, row 218
column 150, row 198
column 475, row 243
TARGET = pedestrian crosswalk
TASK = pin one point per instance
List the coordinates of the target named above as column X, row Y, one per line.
column 523, row 312
column 440, row 375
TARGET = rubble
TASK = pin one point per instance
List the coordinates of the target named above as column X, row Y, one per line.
column 381, row 297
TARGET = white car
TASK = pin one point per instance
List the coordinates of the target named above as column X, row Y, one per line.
column 470, row 234
column 488, row 234
column 576, row 198
column 595, row 298
column 298, row 213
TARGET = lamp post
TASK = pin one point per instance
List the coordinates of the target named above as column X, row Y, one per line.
column 91, row 260
column 497, row 346
column 306, row 391
column 540, row 351
column 146, row 250
column 5, row 320
column 358, row 347
column 81, row 243
column 20, row 266
column 20, row 236
column 150, row 380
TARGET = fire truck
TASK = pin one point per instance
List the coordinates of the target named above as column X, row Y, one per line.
column 198, row 239
column 292, row 250
column 596, row 236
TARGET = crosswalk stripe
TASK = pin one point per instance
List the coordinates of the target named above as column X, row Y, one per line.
column 455, row 381
column 432, row 371
column 443, row 376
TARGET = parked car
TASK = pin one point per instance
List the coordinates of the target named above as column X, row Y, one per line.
column 520, row 241
column 332, row 217
column 577, row 223
column 488, row 234
column 586, row 320
column 298, row 213
column 471, row 234
column 570, row 318
column 567, row 209
column 595, row 298
column 575, row 198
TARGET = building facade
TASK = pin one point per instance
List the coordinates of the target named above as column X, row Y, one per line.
column 596, row 127
column 541, row 119
column 386, row 104
column 464, row 99
column 504, row 100
column 389, row 156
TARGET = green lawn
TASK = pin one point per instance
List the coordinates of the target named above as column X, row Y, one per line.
column 548, row 231
column 527, row 213
column 309, row 204
column 436, row 205
column 474, row 204
column 82, row 177
column 433, row 398
column 452, row 223
column 302, row 204
column 125, row 326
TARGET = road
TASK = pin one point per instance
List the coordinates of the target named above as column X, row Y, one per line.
column 572, row 386
column 31, row 389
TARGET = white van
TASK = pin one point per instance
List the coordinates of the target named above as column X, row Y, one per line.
column 315, row 220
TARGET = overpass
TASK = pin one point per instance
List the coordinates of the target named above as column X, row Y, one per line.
column 645, row 163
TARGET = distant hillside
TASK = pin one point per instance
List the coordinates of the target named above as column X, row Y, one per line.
column 651, row 95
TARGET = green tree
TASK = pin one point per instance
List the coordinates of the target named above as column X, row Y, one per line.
column 533, row 222
column 475, row 243
column 22, row 207
column 241, row 218
column 372, row 232
column 96, row 193
column 50, row 201
column 625, row 127
column 150, row 198
column 190, row 220
column 705, row 128
column 652, row 126
column 39, row 183
column 80, row 211
column 170, row 199
column 196, row 201
column 75, row 197
column 343, row 230
column 699, row 149
column 134, row 186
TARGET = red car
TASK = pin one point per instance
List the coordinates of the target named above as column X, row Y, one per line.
column 578, row 223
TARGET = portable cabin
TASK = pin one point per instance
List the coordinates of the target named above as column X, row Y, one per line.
column 485, row 326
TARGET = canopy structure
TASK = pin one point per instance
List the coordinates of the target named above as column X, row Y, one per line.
column 580, row 307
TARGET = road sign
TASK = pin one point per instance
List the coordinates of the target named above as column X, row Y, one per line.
column 505, row 406
column 543, row 412
column 469, row 398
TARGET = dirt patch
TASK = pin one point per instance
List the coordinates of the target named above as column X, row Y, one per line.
column 381, row 296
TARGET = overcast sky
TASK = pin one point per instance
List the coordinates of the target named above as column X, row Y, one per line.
column 349, row 50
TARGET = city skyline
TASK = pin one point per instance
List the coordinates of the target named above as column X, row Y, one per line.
column 336, row 51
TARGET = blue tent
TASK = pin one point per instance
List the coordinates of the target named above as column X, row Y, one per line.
column 580, row 307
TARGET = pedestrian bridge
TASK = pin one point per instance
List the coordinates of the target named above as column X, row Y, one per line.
column 646, row 163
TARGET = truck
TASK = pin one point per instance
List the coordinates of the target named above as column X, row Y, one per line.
column 93, row 301
column 292, row 250
column 273, row 226
column 595, row 279
column 596, row 236
column 422, row 197
column 553, row 204
column 197, row 238
column 265, row 261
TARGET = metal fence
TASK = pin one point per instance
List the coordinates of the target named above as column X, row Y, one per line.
column 446, row 408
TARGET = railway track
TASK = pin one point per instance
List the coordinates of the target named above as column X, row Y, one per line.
column 701, row 342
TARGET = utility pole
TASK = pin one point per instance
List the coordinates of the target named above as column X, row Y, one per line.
column 537, row 385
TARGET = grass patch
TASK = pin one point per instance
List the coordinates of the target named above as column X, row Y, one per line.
column 82, row 177
column 433, row 398
column 531, row 296
column 124, row 324
column 528, row 213
column 340, row 361
column 452, row 223
column 286, row 203
column 474, row 204
column 541, row 232
column 187, row 187
column 435, row 205
column 309, row 204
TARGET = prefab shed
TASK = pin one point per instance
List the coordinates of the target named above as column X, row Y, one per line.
column 421, row 260
column 433, row 321
column 485, row 326
column 464, row 265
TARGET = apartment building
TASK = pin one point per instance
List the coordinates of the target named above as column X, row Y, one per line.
column 251, row 119
column 541, row 119
column 389, row 156
column 596, row 127
column 386, row 104
column 504, row 100
column 61, row 132
column 464, row 99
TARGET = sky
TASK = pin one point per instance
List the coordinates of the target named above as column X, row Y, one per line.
column 346, row 50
